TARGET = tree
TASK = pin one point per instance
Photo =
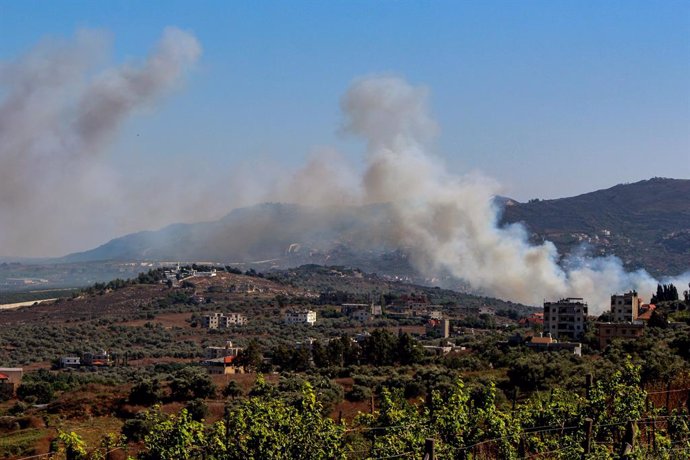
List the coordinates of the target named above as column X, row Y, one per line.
column 251, row 358
column 75, row 448
column 232, row 390
column 38, row 392
column 189, row 383
column 197, row 409
column 146, row 392
column 379, row 348
column 175, row 437
column 408, row 349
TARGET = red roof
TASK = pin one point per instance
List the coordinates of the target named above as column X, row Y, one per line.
column 4, row 376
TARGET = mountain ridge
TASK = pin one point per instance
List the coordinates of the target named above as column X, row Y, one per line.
column 646, row 224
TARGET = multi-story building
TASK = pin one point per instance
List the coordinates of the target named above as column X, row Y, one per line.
column 625, row 308
column 222, row 352
column 565, row 318
column 223, row 320
column 300, row 317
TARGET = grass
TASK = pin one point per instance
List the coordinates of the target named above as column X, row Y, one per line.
column 22, row 442
column 93, row 429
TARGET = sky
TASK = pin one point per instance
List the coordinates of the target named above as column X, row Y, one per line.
column 549, row 98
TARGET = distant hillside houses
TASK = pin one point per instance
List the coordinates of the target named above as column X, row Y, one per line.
column 629, row 317
column 223, row 320
column 361, row 311
column 307, row 317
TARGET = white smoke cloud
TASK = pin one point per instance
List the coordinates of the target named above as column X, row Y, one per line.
column 449, row 222
column 57, row 114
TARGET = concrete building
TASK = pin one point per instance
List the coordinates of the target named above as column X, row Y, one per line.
column 10, row 379
column 223, row 320
column 625, row 308
column 301, row 317
column 606, row 332
column 70, row 361
column 222, row 366
column 548, row 343
column 438, row 328
column 222, row 352
column 565, row 318
column 100, row 358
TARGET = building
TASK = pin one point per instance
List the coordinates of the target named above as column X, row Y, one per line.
column 361, row 311
column 625, row 308
column 300, row 317
column 223, row 320
column 222, row 352
column 438, row 328
column 222, row 366
column 70, row 361
column 606, row 332
column 534, row 319
column 101, row 358
column 548, row 343
column 565, row 318
column 10, row 379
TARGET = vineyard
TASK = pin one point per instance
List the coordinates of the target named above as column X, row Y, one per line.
column 614, row 418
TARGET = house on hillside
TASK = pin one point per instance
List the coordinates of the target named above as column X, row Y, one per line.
column 222, row 352
column 10, row 379
column 223, row 320
column 534, row 319
column 606, row 332
column 547, row 343
column 438, row 328
column 70, row 361
column 97, row 359
column 300, row 317
column 223, row 366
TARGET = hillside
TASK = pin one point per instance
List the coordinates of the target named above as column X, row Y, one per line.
column 646, row 224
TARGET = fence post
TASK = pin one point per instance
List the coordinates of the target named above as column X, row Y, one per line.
column 628, row 444
column 588, row 437
column 588, row 385
column 668, row 397
column 429, row 451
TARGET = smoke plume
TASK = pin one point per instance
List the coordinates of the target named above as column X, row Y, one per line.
column 449, row 223
column 57, row 115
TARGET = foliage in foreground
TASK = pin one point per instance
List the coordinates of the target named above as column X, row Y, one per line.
column 465, row 424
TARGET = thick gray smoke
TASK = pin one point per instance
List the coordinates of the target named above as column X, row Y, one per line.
column 56, row 117
column 449, row 222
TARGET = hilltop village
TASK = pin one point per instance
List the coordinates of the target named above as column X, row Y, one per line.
column 210, row 338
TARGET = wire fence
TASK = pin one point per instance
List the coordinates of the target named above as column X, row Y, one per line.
column 645, row 430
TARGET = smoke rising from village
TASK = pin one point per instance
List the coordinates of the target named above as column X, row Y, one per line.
column 58, row 113
column 449, row 223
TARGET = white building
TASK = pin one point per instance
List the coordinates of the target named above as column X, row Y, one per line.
column 301, row 317
column 70, row 361
column 223, row 320
column 222, row 352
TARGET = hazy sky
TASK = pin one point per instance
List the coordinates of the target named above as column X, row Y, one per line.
column 551, row 98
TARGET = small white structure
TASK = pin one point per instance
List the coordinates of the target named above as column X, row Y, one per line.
column 301, row 317
column 70, row 361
